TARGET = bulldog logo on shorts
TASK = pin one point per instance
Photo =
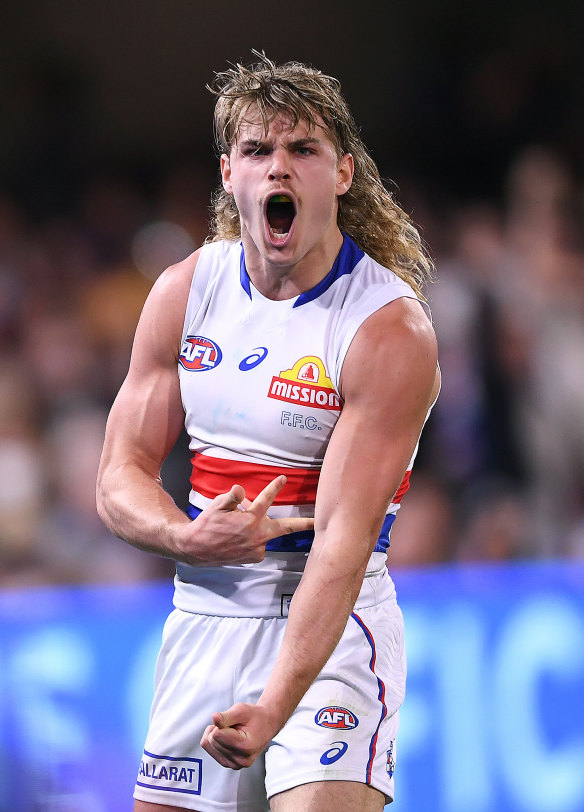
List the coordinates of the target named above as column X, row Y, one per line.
column 336, row 718
column 390, row 767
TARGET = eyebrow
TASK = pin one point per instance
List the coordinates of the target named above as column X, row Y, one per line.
column 253, row 143
column 304, row 142
column 250, row 143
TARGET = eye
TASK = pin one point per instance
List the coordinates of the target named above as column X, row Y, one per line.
column 304, row 151
column 254, row 150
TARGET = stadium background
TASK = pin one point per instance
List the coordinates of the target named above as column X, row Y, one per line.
column 476, row 114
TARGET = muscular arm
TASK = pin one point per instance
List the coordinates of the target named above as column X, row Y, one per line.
column 144, row 423
column 389, row 379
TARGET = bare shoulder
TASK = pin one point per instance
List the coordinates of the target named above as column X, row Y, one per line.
column 394, row 349
column 161, row 322
column 404, row 318
column 173, row 284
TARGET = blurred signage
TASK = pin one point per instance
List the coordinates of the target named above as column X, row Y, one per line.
column 493, row 718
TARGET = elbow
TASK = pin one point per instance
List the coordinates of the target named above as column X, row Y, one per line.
column 342, row 564
column 102, row 501
column 100, row 505
column 102, row 512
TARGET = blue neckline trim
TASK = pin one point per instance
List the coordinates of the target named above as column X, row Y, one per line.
column 243, row 275
column 347, row 258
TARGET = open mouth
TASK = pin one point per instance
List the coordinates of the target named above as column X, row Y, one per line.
column 280, row 214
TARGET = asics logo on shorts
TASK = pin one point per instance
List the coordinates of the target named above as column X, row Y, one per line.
column 334, row 753
column 336, row 718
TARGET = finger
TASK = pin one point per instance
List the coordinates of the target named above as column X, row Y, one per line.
column 230, row 740
column 245, row 504
column 232, row 499
column 265, row 498
column 283, row 527
column 223, row 757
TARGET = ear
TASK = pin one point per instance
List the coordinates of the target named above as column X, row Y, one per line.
column 226, row 174
column 345, row 170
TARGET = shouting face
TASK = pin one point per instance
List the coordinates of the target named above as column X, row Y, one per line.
column 286, row 183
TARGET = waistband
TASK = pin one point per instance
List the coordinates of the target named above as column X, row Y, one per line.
column 265, row 589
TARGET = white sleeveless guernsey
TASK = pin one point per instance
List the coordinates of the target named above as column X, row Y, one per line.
column 259, row 383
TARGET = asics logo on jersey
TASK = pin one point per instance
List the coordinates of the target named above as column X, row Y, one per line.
column 336, row 718
column 306, row 384
column 256, row 357
column 199, row 354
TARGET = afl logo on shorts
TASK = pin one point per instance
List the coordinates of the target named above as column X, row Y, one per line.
column 336, row 718
column 199, row 354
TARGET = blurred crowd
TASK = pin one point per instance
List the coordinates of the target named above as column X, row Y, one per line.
column 500, row 472
column 71, row 290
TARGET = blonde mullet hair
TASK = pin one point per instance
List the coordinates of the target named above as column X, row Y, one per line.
column 367, row 211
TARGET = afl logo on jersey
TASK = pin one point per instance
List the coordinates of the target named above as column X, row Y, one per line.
column 199, row 354
column 336, row 718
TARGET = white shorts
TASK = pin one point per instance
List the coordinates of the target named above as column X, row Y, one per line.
column 343, row 729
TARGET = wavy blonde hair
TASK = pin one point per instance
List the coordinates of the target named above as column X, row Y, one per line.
column 367, row 211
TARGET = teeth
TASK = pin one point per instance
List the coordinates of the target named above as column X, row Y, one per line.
column 278, row 235
column 280, row 199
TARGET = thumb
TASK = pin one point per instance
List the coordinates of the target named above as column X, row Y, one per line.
column 228, row 721
column 236, row 715
column 221, row 720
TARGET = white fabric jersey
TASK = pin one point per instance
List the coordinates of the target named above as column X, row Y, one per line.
column 260, row 388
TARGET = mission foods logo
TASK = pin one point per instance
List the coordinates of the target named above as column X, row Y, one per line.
column 306, row 384
column 336, row 718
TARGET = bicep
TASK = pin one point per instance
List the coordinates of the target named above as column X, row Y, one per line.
column 147, row 415
column 145, row 420
column 388, row 380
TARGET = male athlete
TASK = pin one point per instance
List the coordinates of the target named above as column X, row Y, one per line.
column 294, row 347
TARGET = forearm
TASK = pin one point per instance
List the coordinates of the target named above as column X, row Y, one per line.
column 134, row 506
column 318, row 615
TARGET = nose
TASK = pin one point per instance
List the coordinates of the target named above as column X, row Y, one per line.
column 279, row 166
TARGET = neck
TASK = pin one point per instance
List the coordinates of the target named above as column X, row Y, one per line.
column 287, row 280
